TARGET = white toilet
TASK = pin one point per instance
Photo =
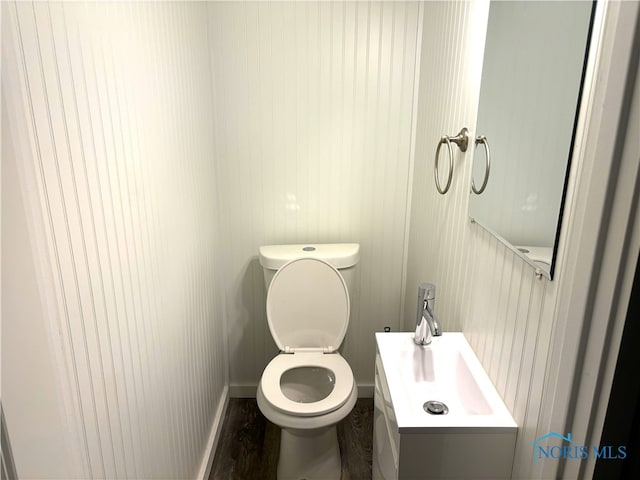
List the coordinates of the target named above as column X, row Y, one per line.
column 309, row 386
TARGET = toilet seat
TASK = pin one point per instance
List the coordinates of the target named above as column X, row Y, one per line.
column 308, row 314
column 270, row 382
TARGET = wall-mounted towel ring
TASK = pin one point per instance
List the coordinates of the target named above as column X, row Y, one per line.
column 462, row 140
column 483, row 140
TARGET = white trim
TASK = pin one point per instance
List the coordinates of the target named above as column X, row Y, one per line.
column 412, row 160
column 620, row 243
column 15, row 97
column 365, row 390
column 589, row 267
column 243, row 391
column 214, row 436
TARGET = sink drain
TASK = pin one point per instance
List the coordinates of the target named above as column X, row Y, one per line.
column 435, row 408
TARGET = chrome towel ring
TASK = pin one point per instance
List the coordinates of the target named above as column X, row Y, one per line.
column 462, row 140
column 483, row 140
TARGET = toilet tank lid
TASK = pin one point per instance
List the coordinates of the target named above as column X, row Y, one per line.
column 340, row 255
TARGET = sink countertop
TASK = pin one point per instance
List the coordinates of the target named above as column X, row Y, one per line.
column 447, row 370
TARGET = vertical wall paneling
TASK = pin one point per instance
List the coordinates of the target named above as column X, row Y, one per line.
column 118, row 171
column 155, row 146
column 313, row 110
column 509, row 315
column 437, row 244
column 59, row 450
column 602, row 174
column 483, row 289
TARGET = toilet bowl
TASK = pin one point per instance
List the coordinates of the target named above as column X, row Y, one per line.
column 309, row 386
column 305, row 400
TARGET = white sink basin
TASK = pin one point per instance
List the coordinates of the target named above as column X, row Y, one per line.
column 446, row 371
column 474, row 439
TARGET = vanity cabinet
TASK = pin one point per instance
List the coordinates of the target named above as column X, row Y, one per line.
column 411, row 444
column 386, row 438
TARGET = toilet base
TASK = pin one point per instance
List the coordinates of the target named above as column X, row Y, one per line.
column 309, row 454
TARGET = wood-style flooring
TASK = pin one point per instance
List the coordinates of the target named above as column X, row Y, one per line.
column 249, row 443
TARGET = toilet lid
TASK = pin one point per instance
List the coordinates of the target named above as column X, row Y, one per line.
column 308, row 305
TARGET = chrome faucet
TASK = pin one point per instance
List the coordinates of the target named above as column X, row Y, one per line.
column 427, row 325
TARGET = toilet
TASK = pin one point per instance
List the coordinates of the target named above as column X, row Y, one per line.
column 308, row 387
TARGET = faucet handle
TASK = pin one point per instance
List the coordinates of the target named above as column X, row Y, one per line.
column 427, row 290
column 426, row 294
column 425, row 319
column 430, row 291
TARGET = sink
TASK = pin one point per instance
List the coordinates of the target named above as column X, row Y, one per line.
column 415, row 386
column 446, row 371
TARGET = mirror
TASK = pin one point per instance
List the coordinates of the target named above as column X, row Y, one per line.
column 532, row 76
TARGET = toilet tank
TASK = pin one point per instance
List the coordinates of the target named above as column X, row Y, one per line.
column 343, row 256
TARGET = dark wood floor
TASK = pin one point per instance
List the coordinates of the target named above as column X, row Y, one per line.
column 249, row 443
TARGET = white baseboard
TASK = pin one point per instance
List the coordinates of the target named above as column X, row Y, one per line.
column 249, row 391
column 243, row 390
column 214, row 436
column 365, row 390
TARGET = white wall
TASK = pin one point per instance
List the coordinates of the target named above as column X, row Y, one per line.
column 452, row 49
column 30, row 382
column 112, row 322
column 483, row 289
column 526, row 330
column 146, row 196
column 313, row 133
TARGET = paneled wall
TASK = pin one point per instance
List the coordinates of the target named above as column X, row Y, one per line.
column 313, row 134
column 149, row 149
column 109, row 114
column 483, row 288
